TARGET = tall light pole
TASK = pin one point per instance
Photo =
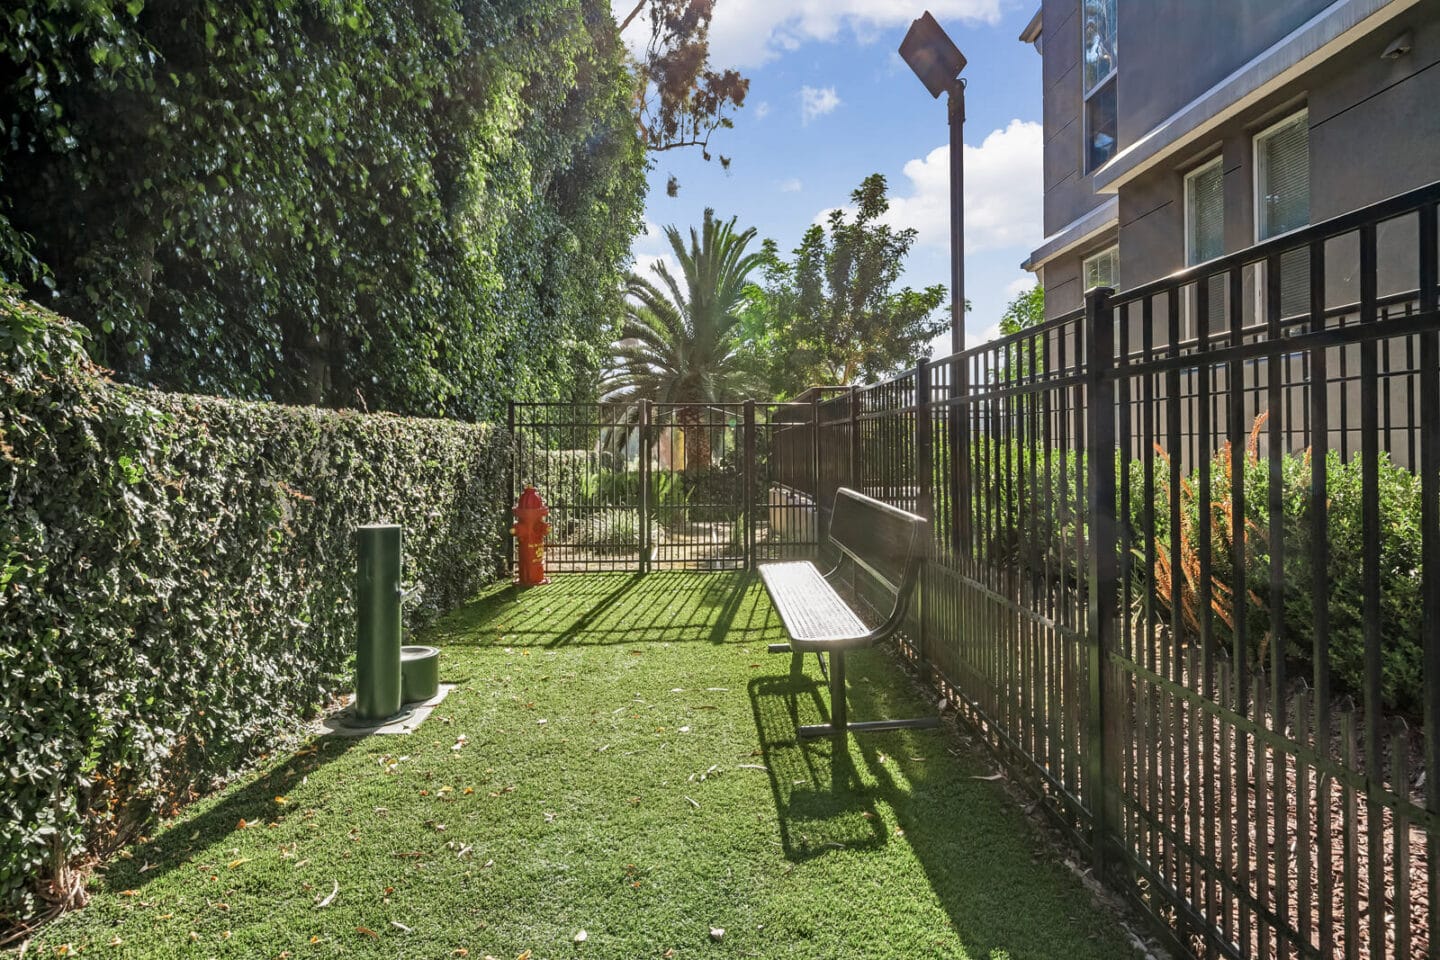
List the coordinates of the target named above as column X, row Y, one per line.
column 938, row 63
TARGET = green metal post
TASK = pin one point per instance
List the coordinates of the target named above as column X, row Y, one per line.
column 377, row 604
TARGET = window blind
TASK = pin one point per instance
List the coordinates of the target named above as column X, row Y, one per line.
column 1282, row 159
column 1205, row 213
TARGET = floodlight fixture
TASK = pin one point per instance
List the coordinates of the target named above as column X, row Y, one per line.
column 932, row 55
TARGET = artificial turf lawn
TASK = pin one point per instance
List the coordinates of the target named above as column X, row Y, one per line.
column 619, row 758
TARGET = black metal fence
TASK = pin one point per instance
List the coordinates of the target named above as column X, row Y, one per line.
column 1186, row 577
column 642, row 486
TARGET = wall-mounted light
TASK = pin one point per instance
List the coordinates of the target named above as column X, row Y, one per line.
column 1400, row 46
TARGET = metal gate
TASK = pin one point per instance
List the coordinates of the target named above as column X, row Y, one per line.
column 643, row 486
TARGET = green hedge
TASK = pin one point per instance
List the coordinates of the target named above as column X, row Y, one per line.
column 175, row 581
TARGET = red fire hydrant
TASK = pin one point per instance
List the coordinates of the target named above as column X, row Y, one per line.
column 530, row 529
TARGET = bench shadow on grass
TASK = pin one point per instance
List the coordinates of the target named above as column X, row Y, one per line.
column 975, row 850
column 607, row 609
column 821, row 804
column 179, row 842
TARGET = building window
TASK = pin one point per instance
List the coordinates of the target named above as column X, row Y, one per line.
column 1100, row 126
column 1099, row 39
column 1100, row 86
column 1102, row 270
column 1282, row 203
column 1282, row 176
column 1205, row 213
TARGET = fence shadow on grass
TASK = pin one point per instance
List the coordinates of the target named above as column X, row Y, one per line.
column 603, row 609
column 201, row 828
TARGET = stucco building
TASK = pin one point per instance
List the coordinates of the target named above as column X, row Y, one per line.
column 1179, row 130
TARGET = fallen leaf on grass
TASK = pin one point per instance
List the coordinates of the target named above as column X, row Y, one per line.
column 693, row 802
column 329, row 898
column 581, row 937
column 753, row 766
column 993, row 776
column 236, row 863
column 717, row 933
column 400, row 926
column 368, row 932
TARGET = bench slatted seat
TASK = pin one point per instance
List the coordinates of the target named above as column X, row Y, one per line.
column 885, row 542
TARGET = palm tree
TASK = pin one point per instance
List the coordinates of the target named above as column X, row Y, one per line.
column 678, row 345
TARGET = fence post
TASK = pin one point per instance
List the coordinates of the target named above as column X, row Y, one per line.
column 925, row 495
column 506, row 520
column 857, row 480
column 959, row 423
column 644, row 448
column 820, row 525
column 749, row 485
column 1103, row 602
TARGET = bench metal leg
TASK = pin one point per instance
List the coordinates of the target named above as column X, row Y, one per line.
column 840, row 723
column 839, row 715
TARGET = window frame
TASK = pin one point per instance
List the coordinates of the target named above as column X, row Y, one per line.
column 1301, row 115
column 1190, row 178
column 1112, row 249
column 1114, row 58
column 1095, row 89
column 1086, row 146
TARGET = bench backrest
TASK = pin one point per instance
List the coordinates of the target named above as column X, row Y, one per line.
column 886, row 542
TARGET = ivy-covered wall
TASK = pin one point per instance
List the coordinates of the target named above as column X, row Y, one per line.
column 389, row 204
column 175, row 580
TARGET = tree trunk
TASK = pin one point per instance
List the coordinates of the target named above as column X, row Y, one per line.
column 697, row 438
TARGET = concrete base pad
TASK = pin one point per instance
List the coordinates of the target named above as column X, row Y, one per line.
column 405, row 725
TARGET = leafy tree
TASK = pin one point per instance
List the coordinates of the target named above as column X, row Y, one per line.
column 678, row 343
column 832, row 315
column 681, row 99
column 414, row 205
column 1025, row 310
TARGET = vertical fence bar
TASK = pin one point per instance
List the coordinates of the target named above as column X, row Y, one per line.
column 1430, row 552
column 1104, row 571
column 857, row 481
column 1370, row 576
column 925, row 494
column 960, row 452
column 749, row 511
column 820, row 525
column 514, row 443
column 644, row 450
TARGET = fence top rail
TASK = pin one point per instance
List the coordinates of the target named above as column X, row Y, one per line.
column 1392, row 208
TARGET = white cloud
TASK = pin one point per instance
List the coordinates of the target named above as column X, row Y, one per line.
column 1019, row 285
column 991, row 332
column 1003, row 192
column 793, row 185
column 644, row 263
column 761, row 110
column 748, row 33
column 816, row 102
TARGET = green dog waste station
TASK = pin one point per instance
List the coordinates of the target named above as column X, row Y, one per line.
column 387, row 675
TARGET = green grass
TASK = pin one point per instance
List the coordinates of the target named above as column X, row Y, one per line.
column 629, row 769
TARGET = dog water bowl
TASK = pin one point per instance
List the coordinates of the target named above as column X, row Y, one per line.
column 419, row 673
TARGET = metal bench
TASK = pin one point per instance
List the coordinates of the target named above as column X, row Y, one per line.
column 885, row 542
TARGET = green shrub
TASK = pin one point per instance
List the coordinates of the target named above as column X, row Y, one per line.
column 1027, row 502
column 175, row 581
column 611, row 531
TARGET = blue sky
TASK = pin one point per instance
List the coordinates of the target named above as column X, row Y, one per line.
column 831, row 102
